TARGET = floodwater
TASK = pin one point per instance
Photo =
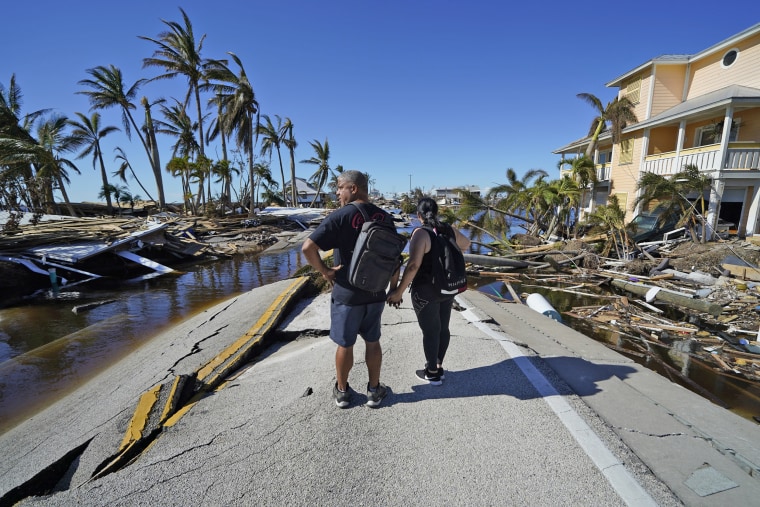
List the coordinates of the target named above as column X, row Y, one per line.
column 47, row 350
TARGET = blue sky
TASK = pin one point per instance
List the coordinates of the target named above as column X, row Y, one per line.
column 418, row 93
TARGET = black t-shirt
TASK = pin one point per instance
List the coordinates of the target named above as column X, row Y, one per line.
column 338, row 232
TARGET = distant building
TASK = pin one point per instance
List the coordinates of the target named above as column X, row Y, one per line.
column 452, row 196
column 305, row 193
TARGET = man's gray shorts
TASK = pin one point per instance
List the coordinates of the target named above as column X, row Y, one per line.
column 347, row 322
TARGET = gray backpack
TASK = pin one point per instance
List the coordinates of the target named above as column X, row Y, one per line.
column 376, row 255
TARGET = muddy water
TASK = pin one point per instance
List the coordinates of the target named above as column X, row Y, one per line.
column 47, row 350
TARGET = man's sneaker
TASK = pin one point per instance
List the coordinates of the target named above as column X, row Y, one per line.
column 342, row 399
column 374, row 398
column 432, row 378
column 440, row 372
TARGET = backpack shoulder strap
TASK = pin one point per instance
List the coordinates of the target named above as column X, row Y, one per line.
column 361, row 210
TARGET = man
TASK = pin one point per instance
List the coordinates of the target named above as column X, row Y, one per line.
column 353, row 311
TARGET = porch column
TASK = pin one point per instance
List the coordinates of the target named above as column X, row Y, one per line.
column 751, row 228
column 725, row 136
column 679, row 146
column 716, row 194
column 642, row 166
column 716, row 191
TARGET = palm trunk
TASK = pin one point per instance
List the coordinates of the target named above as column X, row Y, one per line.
column 104, row 177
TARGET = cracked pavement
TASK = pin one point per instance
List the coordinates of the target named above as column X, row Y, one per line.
column 271, row 434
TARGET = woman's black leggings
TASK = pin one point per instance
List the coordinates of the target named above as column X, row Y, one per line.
column 433, row 315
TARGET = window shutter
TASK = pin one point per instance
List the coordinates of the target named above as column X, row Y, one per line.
column 626, row 151
column 633, row 91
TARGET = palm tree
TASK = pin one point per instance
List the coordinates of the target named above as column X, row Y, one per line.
column 52, row 141
column 180, row 167
column 693, row 180
column 290, row 143
column 515, row 192
column 217, row 129
column 241, row 115
column 178, row 124
column 18, row 183
column 89, row 133
column 108, row 90
column 668, row 193
column 489, row 214
column 121, row 172
column 179, row 55
column 263, row 176
column 618, row 113
column 583, row 172
column 271, row 139
column 321, row 160
column 224, row 171
column 561, row 196
column 612, row 217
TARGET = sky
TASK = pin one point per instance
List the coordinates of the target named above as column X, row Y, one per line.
column 418, row 93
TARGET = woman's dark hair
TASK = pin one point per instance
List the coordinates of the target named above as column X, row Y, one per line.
column 428, row 210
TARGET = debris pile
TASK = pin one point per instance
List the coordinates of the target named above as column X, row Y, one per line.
column 682, row 303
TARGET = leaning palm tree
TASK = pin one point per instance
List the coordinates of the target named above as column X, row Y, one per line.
column 241, row 112
column 179, row 54
column 286, row 134
column 667, row 192
column 271, row 138
column 121, row 172
column 618, row 113
column 89, row 132
column 107, row 91
column 513, row 196
column 321, row 160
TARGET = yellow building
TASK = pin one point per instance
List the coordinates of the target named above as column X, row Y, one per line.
column 678, row 101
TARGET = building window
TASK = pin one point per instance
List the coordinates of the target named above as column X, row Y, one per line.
column 730, row 58
column 712, row 133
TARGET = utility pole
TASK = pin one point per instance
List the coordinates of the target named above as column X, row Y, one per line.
column 410, row 185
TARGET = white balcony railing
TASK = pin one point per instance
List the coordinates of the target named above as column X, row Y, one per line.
column 739, row 156
column 602, row 172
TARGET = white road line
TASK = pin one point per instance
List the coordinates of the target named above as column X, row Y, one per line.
column 622, row 482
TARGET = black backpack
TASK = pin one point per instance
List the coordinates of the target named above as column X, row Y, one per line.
column 449, row 275
column 377, row 254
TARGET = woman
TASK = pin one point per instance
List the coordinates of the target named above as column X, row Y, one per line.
column 432, row 308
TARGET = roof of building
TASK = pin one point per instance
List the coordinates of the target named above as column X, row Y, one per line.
column 686, row 59
column 718, row 99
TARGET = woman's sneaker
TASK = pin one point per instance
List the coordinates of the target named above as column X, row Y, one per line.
column 432, row 378
column 342, row 399
column 374, row 398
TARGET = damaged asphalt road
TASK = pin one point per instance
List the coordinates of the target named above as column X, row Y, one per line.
column 530, row 413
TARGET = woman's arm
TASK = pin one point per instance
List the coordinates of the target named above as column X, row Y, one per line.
column 463, row 242
column 419, row 245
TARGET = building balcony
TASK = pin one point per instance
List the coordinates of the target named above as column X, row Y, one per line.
column 602, row 172
column 740, row 156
